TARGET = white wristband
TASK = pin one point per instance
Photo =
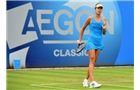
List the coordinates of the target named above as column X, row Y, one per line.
column 103, row 26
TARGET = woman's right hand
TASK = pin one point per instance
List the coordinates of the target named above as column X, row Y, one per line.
column 79, row 42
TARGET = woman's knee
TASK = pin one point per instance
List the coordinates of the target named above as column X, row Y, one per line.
column 92, row 60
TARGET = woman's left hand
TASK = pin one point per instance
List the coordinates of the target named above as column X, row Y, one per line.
column 104, row 22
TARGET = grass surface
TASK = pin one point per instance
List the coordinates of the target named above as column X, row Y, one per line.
column 117, row 78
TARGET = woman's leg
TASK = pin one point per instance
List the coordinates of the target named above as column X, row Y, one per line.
column 91, row 54
column 96, row 56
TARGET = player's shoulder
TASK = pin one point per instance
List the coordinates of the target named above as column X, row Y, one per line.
column 89, row 18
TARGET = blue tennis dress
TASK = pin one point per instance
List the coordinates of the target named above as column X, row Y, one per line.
column 95, row 36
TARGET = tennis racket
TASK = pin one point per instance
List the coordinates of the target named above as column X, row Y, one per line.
column 80, row 47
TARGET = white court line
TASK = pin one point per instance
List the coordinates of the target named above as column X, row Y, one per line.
column 61, row 41
column 44, row 85
column 47, row 85
column 118, row 86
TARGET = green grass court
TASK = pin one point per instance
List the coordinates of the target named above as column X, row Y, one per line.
column 115, row 78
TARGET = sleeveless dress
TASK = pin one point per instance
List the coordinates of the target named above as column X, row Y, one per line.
column 95, row 36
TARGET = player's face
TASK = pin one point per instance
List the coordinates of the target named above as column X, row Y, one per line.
column 98, row 10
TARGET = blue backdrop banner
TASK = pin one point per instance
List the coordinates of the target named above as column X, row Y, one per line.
column 43, row 33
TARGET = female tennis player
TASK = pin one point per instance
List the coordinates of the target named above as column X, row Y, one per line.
column 94, row 44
